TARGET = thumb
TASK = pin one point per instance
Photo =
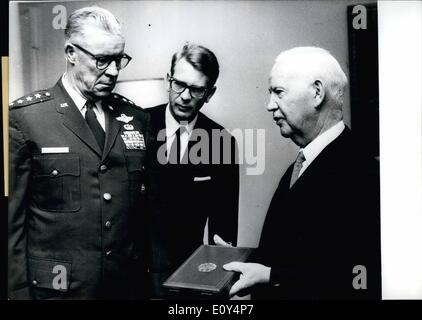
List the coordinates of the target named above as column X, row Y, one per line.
column 234, row 266
column 218, row 241
column 237, row 286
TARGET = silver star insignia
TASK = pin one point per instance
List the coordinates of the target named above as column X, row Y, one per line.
column 20, row 101
column 37, row 95
column 29, row 98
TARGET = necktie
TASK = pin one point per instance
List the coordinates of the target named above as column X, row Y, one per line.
column 297, row 167
column 93, row 123
column 175, row 149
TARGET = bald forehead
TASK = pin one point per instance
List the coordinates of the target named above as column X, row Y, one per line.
column 290, row 69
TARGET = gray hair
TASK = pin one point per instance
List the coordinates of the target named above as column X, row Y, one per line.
column 91, row 15
column 320, row 63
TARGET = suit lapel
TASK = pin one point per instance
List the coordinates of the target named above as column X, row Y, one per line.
column 74, row 121
column 329, row 160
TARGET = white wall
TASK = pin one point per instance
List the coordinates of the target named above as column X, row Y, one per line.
column 400, row 62
column 246, row 36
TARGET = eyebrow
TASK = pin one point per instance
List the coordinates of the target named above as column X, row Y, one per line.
column 188, row 85
column 276, row 87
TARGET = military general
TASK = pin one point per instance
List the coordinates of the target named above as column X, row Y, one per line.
column 77, row 175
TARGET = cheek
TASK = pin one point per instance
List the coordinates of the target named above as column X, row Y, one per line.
column 285, row 108
column 84, row 73
column 172, row 96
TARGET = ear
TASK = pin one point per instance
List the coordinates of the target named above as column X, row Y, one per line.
column 318, row 93
column 70, row 53
column 210, row 94
column 167, row 81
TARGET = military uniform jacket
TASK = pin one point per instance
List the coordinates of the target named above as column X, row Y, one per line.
column 73, row 209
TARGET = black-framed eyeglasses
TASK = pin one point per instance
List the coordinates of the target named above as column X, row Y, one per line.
column 179, row 87
column 102, row 62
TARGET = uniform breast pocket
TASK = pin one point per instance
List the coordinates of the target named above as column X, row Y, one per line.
column 135, row 163
column 49, row 279
column 56, row 185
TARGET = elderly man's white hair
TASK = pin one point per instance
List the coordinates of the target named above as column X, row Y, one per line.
column 95, row 16
column 317, row 64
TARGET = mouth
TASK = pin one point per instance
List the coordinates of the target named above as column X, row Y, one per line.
column 183, row 108
column 278, row 121
column 106, row 86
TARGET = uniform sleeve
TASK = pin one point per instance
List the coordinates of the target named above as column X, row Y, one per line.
column 19, row 173
column 224, row 221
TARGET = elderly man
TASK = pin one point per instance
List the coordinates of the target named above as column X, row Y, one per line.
column 321, row 237
column 77, row 180
column 194, row 187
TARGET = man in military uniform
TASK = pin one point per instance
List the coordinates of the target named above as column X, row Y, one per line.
column 77, row 175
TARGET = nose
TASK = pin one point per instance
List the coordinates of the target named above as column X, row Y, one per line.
column 185, row 95
column 112, row 70
column 271, row 106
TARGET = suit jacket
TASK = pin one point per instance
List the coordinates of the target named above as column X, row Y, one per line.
column 186, row 196
column 75, row 208
column 318, row 231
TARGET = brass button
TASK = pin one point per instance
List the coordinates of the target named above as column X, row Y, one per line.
column 103, row 168
column 108, row 253
column 55, row 172
column 143, row 189
column 107, row 196
column 108, row 224
column 143, row 168
column 34, row 282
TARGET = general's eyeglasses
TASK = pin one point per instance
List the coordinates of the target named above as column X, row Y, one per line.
column 179, row 87
column 102, row 62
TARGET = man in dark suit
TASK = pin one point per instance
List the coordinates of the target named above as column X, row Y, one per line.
column 321, row 236
column 77, row 175
column 193, row 185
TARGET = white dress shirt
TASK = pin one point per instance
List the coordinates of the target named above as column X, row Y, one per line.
column 172, row 125
column 313, row 149
column 80, row 102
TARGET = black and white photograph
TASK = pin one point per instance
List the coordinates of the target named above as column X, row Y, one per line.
column 213, row 150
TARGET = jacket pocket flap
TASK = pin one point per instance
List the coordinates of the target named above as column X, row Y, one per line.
column 207, row 178
column 56, row 165
column 135, row 160
column 51, row 274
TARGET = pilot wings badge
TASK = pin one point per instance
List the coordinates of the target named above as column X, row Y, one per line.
column 124, row 118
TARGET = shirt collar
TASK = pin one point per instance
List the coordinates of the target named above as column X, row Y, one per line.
column 172, row 125
column 77, row 98
column 313, row 149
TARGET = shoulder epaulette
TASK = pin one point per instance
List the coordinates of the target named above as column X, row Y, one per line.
column 32, row 98
column 117, row 98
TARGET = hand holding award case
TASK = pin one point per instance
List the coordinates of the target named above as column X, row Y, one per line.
column 202, row 274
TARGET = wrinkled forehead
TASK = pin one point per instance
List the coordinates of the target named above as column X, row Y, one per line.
column 98, row 39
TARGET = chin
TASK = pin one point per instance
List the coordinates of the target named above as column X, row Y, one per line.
column 102, row 94
column 183, row 116
column 285, row 133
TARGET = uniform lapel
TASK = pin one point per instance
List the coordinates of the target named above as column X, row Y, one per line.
column 73, row 119
column 112, row 129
